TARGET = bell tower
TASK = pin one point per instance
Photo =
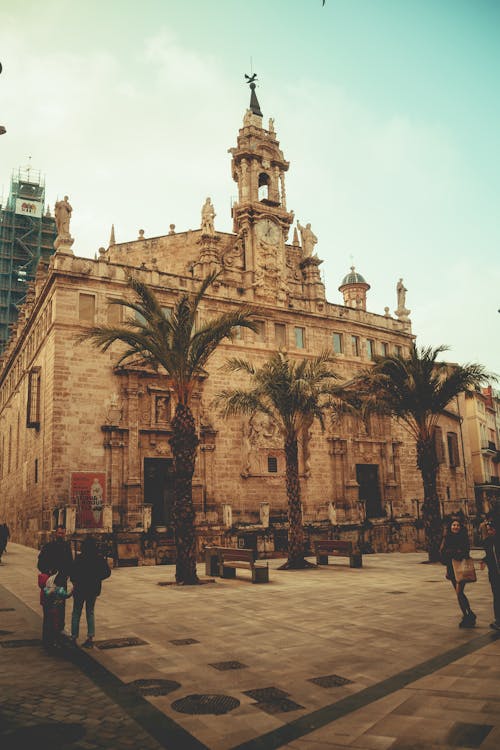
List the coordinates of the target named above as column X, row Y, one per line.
column 260, row 217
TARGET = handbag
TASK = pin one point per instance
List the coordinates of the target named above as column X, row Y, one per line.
column 464, row 570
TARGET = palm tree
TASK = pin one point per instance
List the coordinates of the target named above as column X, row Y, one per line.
column 293, row 393
column 415, row 390
column 155, row 338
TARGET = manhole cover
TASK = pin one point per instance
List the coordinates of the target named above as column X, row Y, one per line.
column 21, row 643
column 225, row 665
column 155, row 687
column 6, row 632
column 266, row 695
column 120, row 643
column 279, row 706
column 7, row 609
column 206, row 704
column 331, row 680
column 184, row 641
column 272, row 700
column 42, row 736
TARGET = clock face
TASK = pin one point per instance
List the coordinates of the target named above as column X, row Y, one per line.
column 267, row 231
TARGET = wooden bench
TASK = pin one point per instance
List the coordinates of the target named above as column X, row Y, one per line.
column 326, row 548
column 230, row 559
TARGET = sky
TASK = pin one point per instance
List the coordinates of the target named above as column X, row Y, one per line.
column 387, row 110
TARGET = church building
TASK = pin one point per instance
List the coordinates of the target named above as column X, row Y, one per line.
column 86, row 443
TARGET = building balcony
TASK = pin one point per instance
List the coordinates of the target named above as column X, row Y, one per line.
column 488, row 447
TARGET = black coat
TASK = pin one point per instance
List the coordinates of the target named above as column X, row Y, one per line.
column 55, row 555
column 492, row 557
column 86, row 574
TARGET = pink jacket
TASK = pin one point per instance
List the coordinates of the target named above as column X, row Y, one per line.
column 42, row 580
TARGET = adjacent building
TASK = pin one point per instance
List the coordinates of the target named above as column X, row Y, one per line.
column 87, row 442
column 481, row 410
column 27, row 234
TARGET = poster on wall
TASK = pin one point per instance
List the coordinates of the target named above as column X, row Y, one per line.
column 88, row 494
column 29, row 207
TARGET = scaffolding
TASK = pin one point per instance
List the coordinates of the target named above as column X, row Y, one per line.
column 27, row 234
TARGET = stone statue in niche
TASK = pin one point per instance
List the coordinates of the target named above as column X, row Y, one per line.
column 162, row 408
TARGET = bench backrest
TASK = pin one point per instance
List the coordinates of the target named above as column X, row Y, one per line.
column 330, row 545
column 231, row 553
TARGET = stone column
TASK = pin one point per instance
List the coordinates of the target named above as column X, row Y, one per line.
column 264, row 514
column 227, row 515
column 107, row 518
column 133, row 458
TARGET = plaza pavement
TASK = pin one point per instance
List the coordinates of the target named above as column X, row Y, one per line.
column 397, row 671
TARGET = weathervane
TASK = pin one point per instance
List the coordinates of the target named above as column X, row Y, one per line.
column 254, row 104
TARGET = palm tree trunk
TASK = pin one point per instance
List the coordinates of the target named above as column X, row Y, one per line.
column 184, row 442
column 296, row 558
column 431, row 514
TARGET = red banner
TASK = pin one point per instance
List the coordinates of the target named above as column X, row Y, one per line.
column 88, row 493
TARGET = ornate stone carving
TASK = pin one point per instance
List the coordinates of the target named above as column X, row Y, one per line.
column 115, row 411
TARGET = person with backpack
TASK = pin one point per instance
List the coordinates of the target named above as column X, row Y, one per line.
column 88, row 571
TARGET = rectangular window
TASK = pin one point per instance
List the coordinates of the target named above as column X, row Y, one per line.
column 439, row 445
column 300, row 337
column 338, row 346
column 272, row 464
column 237, row 333
column 398, row 351
column 370, row 349
column 280, row 334
column 114, row 313
column 453, row 455
column 384, row 348
column 36, row 470
column 355, row 345
column 86, row 308
column 33, row 410
column 260, row 333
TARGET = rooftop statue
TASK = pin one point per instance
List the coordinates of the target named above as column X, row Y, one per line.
column 62, row 213
column 308, row 239
column 207, row 218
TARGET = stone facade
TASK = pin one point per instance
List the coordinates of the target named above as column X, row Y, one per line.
column 87, row 442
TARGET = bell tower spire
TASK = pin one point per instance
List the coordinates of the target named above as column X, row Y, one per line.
column 260, row 217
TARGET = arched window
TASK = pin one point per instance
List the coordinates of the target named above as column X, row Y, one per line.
column 264, row 186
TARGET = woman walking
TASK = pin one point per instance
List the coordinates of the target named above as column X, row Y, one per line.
column 455, row 546
column 89, row 569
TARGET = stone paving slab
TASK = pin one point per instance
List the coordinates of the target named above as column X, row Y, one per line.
column 389, row 629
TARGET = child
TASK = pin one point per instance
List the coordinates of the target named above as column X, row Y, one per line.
column 53, row 596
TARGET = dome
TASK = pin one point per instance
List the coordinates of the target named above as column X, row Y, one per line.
column 353, row 278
